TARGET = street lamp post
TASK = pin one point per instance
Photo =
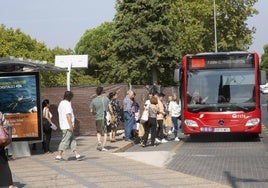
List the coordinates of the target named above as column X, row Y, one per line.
column 215, row 26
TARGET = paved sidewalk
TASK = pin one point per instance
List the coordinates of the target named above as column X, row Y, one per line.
column 100, row 169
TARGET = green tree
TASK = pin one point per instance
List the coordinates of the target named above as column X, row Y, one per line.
column 151, row 36
column 145, row 47
column 264, row 59
column 16, row 43
column 196, row 25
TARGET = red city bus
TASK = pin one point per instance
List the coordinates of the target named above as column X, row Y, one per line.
column 220, row 92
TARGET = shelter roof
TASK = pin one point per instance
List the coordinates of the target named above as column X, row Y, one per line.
column 11, row 64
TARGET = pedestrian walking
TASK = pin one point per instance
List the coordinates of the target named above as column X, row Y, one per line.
column 129, row 114
column 99, row 105
column 66, row 121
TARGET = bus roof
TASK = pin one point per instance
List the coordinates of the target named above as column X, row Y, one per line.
column 221, row 53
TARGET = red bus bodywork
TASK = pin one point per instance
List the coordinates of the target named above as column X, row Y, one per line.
column 211, row 73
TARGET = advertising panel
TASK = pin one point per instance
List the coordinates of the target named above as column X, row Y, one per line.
column 19, row 102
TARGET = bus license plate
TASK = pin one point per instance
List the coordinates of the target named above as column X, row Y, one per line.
column 221, row 130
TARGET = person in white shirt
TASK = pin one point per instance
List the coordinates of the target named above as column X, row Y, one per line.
column 66, row 120
column 174, row 109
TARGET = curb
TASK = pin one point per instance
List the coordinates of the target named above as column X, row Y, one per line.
column 124, row 148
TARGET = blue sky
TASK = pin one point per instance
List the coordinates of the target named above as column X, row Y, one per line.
column 56, row 22
column 62, row 22
column 260, row 23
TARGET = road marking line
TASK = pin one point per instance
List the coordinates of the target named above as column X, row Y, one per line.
column 177, row 147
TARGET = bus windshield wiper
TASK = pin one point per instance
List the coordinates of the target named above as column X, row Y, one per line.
column 200, row 107
column 237, row 106
column 215, row 108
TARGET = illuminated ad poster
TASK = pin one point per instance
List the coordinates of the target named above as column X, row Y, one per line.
column 19, row 102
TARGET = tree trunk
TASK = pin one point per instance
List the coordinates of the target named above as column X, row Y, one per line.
column 155, row 76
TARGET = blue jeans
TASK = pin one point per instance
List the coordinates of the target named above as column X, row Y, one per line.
column 175, row 123
column 128, row 125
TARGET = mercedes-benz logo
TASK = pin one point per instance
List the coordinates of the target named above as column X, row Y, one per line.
column 221, row 122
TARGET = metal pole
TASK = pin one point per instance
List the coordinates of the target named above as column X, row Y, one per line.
column 215, row 26
column 69, row 77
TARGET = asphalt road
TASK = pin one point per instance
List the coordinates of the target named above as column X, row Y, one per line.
column 235, row 160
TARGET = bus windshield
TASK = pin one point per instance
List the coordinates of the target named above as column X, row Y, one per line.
column 221, row 90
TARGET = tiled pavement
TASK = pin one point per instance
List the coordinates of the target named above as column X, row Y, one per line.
column 99, row 169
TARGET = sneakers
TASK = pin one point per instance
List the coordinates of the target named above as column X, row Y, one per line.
column 78, row 157
column 177, row 139
column 99, row 147
column 164, row 141
column 58, row 158
column 104, row 149
column 157, row 141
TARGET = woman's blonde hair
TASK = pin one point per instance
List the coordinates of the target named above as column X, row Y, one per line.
column 175, row 98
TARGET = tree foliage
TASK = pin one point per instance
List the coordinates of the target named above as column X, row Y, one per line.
column 196, row 25
column 144, row 42
column 264, row 59
column 151, row 36
column 16, row 43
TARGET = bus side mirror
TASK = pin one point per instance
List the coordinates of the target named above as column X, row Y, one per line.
column 263, row 77
column 177, row 74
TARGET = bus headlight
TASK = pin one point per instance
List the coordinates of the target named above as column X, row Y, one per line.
column 190, row 123
column 253, row 122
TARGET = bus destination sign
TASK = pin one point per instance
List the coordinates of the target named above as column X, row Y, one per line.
column 216, row 62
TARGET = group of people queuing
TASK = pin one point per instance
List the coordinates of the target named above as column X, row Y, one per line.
column 155, row 126
column 130, row 116
column 163, row 119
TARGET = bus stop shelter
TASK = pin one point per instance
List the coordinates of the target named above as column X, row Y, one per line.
column 11, row 65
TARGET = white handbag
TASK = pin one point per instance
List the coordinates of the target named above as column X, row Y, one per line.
column 145, row 115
